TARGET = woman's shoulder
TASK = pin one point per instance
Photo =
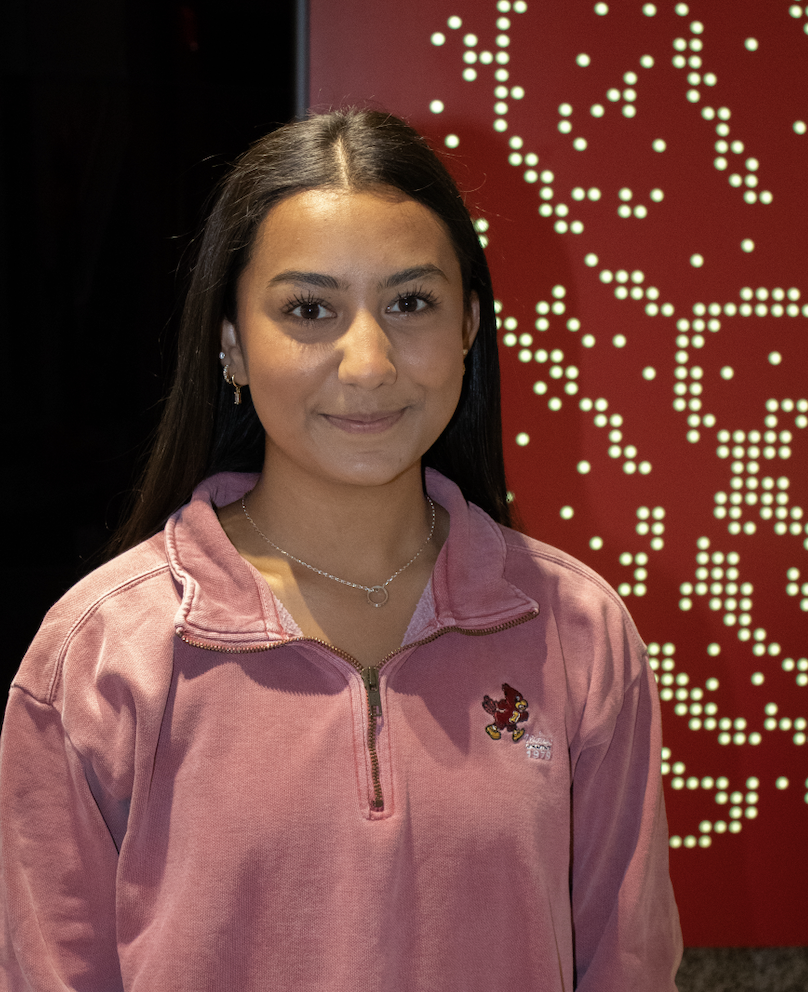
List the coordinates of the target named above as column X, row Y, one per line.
column 575, row 589
column 125, row 572
column 548, row 563
column 109, row 606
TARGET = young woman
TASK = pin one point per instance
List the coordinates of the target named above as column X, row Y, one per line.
column 327, row 722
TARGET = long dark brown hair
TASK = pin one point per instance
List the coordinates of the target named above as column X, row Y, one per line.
column 202, row 431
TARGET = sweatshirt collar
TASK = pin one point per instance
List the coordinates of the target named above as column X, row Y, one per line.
column 227, row 605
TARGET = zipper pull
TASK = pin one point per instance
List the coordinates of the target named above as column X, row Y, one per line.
column 370, row 676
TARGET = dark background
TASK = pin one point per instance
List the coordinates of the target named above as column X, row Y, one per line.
column 116, row 120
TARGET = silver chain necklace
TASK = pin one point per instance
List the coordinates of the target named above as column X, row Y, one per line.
column 377, row 595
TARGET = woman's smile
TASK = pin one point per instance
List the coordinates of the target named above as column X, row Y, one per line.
column 367, row 423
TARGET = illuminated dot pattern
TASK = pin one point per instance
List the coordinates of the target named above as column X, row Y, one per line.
column 736, row 803
column 753, row 494
column 701, row 356
column 636, row 585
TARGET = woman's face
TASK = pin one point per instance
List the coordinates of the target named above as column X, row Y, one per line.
column 350, row 332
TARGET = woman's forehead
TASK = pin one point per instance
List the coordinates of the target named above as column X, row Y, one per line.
column 326, row 227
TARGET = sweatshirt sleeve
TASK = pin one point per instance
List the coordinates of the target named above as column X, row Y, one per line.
column 626, row 925
column 57, row 861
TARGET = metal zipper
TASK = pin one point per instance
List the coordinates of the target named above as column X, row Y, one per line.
column 370, row 679
column 370, row 676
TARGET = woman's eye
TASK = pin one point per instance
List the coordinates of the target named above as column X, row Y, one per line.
column 408, row 304
column 310, row 310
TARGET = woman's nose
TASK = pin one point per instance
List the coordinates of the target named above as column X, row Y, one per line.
column 367, row 354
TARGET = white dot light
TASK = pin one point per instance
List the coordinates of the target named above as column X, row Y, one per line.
column 697, row 261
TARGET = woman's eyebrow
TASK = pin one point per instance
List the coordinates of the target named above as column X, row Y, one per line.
column 312, row 278
column 415, row 272
column 324, row 281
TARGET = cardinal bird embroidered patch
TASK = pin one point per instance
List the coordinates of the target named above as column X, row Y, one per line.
column 507, row 713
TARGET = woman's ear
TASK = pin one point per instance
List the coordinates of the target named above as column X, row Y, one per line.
column 233, row 355
column 471, row 320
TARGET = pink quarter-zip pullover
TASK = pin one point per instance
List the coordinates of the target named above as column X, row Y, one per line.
column 194, row 796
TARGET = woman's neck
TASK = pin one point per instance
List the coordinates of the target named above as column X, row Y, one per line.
column 357, row 532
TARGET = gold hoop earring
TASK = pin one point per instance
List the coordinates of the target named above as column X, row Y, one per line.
column 231, row 381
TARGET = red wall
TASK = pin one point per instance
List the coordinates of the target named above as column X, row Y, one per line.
column 655, row 365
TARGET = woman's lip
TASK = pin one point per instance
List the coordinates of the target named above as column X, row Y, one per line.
column 364, row 423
